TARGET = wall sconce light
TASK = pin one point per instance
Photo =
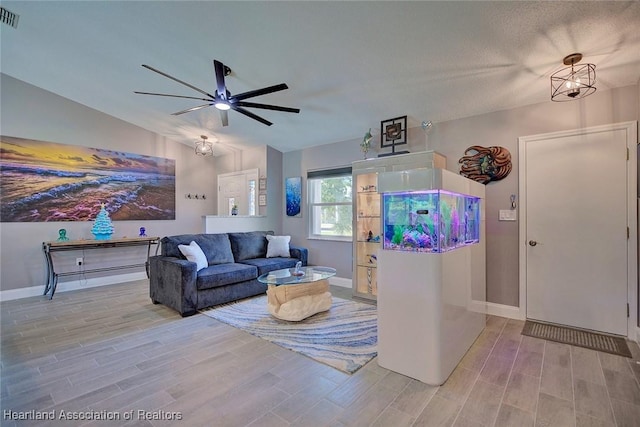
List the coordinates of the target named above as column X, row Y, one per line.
column 204, row 147
column 573, row 82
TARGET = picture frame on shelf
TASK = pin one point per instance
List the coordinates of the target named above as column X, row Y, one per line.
column 393, row 132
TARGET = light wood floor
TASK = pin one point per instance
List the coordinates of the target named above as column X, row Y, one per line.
column 109, row 351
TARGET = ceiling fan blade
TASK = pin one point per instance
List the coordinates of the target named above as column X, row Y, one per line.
column 267, row 107
column 173, row 96
column 258, row 92
column 222, row 95
column 188, row 110
column 219, row 69
column 250, row 114
column 178, row 80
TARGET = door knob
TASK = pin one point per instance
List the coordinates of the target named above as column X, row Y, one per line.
column 532, row 243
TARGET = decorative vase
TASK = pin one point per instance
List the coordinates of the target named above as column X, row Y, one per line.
column 102, row 227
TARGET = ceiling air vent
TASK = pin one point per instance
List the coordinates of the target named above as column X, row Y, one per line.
column 9, row 18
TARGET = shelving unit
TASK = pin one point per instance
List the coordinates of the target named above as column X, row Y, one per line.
column 367, row 238
column 366, row 213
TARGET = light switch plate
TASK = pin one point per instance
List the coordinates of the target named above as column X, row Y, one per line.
column 508, row 215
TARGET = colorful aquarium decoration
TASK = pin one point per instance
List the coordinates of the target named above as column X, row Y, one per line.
column 430, row 221
column 44, row 181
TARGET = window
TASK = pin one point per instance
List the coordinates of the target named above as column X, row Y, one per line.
column 330, row 208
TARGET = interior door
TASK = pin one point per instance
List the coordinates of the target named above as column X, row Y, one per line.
column 230, row 192
column 239, row 189
column 576, row 229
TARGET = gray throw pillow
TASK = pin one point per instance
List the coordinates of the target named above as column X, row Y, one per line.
column 249, row 245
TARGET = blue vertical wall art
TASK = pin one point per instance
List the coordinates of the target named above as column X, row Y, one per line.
column 293, row 192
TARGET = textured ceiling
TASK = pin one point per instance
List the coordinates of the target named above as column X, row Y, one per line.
column 349, row 65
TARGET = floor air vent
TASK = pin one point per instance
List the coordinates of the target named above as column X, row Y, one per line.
column 9, row 18
column 578, row 337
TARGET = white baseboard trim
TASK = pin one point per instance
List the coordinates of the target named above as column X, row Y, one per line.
column 508, row 311
column 340, row 281
column 72, row 285
column 494, row 309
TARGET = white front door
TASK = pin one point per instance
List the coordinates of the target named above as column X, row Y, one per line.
column 576, row 198
column 238, row 189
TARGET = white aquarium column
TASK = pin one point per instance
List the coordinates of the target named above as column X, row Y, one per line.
column 430, row 304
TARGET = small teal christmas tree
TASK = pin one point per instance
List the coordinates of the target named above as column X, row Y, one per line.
column 102, row 227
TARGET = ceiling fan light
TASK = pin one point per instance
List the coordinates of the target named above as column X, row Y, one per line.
column 573, row 82
column 222, row 98
column 222, row 105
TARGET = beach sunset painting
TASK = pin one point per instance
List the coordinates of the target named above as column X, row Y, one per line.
column 45, row 181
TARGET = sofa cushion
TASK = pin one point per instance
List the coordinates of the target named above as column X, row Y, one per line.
column 194, row 254
column 252, row 244
column 216, row 247
column 278, row 246
column 225, row 274
column 266, row 265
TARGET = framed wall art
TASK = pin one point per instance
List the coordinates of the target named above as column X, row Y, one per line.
column 293, row 195
column 262, row 184
column 46, row 181
column 262, row 200
column 393, row 132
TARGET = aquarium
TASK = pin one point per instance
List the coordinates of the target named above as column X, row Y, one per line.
column 429, row 221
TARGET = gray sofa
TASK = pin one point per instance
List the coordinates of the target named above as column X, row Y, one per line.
column 235, row 262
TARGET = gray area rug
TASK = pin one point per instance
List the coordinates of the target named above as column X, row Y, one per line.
column 345, row 337
column 577, row 337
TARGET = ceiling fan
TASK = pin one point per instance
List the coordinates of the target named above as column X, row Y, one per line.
column 222, row 98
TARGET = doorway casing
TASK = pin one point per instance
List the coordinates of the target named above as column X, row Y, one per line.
column 631, row 129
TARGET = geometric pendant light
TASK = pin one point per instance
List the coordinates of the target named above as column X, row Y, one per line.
column 574, row 82
column 204, row 148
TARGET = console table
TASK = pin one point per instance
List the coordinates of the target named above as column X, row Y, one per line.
column 73, row 245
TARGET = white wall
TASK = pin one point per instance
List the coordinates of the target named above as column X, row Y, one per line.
column 451, row 138
column 30, row 112
column 275, row 190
